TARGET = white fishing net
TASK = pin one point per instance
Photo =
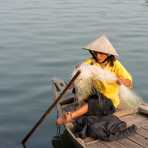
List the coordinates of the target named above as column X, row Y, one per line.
column 129, row 98
column 84, row 85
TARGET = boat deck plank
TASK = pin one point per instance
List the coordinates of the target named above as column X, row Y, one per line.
column 137, row 119
column 114, row 144
column 145, row 126
column 143, row 132
column 129, row 144
column 98, row 144
column 140, row 140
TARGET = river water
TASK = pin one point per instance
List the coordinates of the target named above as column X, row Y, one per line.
column 40, row 40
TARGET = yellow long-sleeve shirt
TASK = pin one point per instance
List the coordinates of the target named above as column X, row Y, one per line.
column 110, row 89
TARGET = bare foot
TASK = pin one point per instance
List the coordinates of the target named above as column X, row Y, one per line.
column 64, row 119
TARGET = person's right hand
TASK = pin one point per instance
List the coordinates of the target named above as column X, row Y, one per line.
column 77, row 66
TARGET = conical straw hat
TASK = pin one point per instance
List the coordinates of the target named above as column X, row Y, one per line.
column 102, row 44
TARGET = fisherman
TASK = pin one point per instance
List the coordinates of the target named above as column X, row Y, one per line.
column 104, row 56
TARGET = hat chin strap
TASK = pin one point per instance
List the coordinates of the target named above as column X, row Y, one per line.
column 106, row 59
column 93, row 55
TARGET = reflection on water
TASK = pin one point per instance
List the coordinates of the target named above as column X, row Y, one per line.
column 24, row 146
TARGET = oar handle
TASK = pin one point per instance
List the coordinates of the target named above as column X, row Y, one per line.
column 50, row 108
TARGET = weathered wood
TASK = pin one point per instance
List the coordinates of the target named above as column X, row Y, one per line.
column 97, row 144
column 145, row 126
column 140, row 140
column 134, row 119
column 114, row 144
column 143, row 132
column 128, row 143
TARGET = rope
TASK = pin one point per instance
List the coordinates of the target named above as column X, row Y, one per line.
column 58, row 127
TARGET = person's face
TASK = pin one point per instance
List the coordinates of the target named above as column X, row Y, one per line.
column 101, row 57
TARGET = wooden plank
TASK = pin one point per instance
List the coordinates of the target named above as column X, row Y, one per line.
column 129, row 144
column 105, row 144
column 134, row 119
column 97, row 144
column 138, row 139
column 145, row 126
column 142, row 132
column 114, row 144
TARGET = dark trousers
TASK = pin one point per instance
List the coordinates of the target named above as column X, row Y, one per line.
column 99, row 105
column 100, row 123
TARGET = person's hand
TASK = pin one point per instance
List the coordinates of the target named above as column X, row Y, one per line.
column 120, row 80
column 77, row 66
column 126, row 82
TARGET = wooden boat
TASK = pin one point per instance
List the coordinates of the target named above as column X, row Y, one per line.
column 138, row 117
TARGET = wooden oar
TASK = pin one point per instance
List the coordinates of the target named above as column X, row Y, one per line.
column 49, row 109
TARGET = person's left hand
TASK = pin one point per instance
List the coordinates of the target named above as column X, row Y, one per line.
column 126, row 82
column 120, row 80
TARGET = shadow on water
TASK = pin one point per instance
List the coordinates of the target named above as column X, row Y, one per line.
column 62, row 141
column 24, row 146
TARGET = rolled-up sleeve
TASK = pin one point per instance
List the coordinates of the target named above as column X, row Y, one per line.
column 120, row 70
